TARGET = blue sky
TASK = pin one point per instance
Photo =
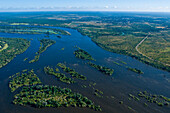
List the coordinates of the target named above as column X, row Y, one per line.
column 85, row 5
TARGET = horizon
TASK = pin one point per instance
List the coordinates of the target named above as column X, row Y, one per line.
column 87, row 5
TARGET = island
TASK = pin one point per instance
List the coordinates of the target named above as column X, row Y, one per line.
column 25, row 78
column 82, row 54
column 45, row 43
column 61, row 76
column 102, row 69
column 135, row 70
column 72, row 72
column 10, row 48
column 160, row 100
column 40, row 96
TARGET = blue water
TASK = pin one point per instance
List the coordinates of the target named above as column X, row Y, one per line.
column 120, row 84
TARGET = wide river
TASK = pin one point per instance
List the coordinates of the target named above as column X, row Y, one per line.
column 119, row 85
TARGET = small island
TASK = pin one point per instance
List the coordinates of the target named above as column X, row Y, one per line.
column 62, row 77
column 135, row 70
column 160, row 100
column 72, row 72
column 80, row 53
column 45, row 43
column 25, row 78
column 52, row 96
column 102, row 69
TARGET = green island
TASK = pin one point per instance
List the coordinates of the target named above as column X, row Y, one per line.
column 98, row 93
column 45, row 43
column 80, row 53
column 10, row 47
column 135, row 70
column 62, row 77
column 102, row 69
column 25, row 78
column 72, row 72
column 145, row 97
column 117, row 63
column 160, row 100
column 52, row 96
column 19, row 29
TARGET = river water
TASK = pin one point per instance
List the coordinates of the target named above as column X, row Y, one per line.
column 119, row 85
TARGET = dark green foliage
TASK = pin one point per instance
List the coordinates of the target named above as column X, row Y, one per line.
column 80, row 53
column 52, row 96
column 60, row 76
column 45, row 43
column 135, row 70
column 23, row 79
column 72, row 72
column 102, row 69
column 15, row 46
column 160, row 100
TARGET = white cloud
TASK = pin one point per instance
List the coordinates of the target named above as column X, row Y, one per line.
column 106, row 7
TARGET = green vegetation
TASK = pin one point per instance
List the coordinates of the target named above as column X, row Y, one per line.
column 119, row 33
column 123, row 62
column 98, row 93
column 135, row 70
column 23, row 79
column 72, row 72
column 102, row 69
column 60, row 76
column 25, row 59
column 80, row 53
column 10, row 47
column 51, row 96
column 117, row 63
column 45, row 43
column 144, row 96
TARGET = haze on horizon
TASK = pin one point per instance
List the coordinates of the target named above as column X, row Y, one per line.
column 85, row 5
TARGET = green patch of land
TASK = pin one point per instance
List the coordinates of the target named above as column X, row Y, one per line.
column 135, row 70
column 10, row 47
column 51, row 96
column 160, row 100
column 45, row 43
column 58, row 75
column 102, row 69
column 23, row 79
column 80, row 53
column 72, row 72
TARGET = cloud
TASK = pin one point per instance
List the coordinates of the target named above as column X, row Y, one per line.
column 106, row 7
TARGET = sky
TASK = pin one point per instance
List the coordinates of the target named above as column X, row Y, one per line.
column 85, row 5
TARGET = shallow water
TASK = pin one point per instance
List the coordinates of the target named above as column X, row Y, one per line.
column 119, row 85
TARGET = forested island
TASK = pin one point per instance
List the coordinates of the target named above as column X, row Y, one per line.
column 25, row 78
column 145, row 97
column 10, row 47
column 102, row 69
column 52, row 96
column 72, row 72
column 45, row 43
column 135, row 70
column 82, row 54
column 61, row 76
